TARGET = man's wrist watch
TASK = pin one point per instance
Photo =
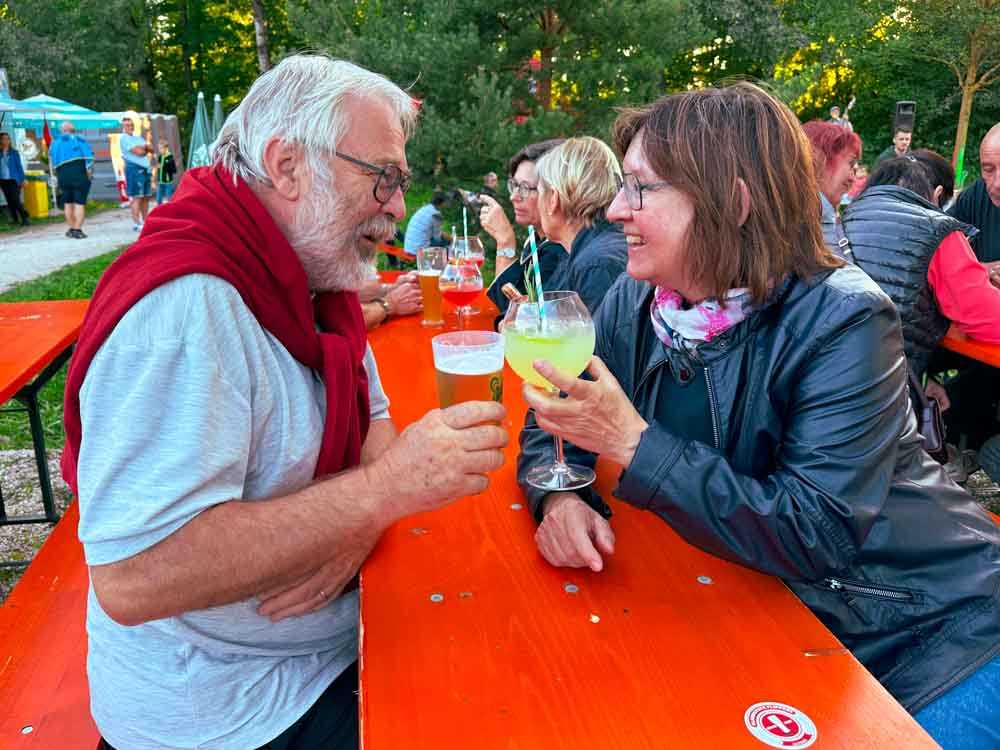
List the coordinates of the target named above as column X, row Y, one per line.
column 506, row 252
column 385, row 305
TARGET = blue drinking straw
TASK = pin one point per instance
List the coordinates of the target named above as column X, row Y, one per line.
column 538, row 273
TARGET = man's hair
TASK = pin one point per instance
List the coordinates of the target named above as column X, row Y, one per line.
column 586, row 175
column 301, row 100
column 488, row 175
column 704, row 142
column 905, row 172
column 439, row 199
column 940, row 171
column 4, row 133
column 532, row 152
column 829, row 140
column 834, row 108
column 901, row 129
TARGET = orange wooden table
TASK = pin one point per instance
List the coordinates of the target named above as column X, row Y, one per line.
column 36, row 339
column 957, row 341
column 469, row 639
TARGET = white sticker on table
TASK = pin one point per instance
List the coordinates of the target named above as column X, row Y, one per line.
column 780, row 725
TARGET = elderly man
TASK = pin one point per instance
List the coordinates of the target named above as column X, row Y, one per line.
column 73, row 161
column 979, row 204
column 975, row 393
column 228, row 438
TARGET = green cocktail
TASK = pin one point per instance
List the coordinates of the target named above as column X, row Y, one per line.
column 568, row 347
column 557, row 329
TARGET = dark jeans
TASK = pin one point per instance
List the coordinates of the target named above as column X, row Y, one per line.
column 975, row 399
column 12, row 194
column 331, row 723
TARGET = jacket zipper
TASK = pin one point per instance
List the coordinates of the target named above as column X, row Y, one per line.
column 712, row 408
column 856, row 588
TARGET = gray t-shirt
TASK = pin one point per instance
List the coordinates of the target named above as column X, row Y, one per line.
column 128, row 142
column 190, row 403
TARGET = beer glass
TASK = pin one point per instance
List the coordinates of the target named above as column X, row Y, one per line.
column 469, row 366
column 430, row 262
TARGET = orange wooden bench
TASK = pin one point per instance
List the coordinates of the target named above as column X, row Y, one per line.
column 43, row 650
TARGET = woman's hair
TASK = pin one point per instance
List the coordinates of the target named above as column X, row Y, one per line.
column 940, row 171
column 828, row 140
column 532, row 152
column 586, row 175
column 905, row 172
column 704, row 143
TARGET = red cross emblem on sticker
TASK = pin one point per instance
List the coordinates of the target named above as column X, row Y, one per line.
column 780, row 725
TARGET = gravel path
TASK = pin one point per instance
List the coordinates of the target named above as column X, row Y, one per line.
column 41, row 249
column 22, row 497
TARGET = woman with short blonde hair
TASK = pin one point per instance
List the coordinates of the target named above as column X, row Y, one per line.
column 577, row 181
column 584, row 174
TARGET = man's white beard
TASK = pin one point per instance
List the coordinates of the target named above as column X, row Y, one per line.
column 333, row 254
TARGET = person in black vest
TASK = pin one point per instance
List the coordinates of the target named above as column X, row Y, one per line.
column 921, row 257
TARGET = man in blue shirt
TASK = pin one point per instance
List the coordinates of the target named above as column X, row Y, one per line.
column 73, row 162
column 135, row 152
column 424, row 227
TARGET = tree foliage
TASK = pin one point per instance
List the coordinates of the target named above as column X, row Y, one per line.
column 495, row 75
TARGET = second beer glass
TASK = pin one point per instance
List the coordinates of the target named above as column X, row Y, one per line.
column 430, row 262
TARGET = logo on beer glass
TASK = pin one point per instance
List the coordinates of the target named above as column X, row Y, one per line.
column 469, row 366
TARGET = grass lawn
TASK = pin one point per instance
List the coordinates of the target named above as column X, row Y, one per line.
column 72, row 282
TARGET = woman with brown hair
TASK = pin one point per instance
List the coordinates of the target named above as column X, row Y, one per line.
column 752, row 388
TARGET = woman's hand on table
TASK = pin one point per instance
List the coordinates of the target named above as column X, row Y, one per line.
column 596, row 416
column 572, row 534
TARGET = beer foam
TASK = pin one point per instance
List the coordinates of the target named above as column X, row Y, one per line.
column 429, row 272
column 470, row 363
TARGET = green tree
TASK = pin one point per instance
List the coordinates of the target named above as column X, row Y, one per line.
column 494, row 76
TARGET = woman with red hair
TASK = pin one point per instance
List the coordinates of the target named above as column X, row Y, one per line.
column 836, row 152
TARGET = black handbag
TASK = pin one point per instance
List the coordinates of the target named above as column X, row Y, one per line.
column 930, row 424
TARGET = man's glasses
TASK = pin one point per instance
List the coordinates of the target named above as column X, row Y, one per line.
column 388, row 179
column 633, row 189
column 520, row 189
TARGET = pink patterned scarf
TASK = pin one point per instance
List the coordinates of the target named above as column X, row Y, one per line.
column 682, row 326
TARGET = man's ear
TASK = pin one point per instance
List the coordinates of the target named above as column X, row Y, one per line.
column 936, row 197
column 745, row 201
column 285, row 166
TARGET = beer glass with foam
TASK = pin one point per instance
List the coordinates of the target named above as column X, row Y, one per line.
column 469, row 366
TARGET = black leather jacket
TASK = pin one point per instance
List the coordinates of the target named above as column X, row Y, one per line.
column 816, row 475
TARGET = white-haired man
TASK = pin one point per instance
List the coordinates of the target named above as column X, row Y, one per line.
column 229, row 439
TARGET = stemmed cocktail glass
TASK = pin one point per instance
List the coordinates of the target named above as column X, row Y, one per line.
column 558, row 329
